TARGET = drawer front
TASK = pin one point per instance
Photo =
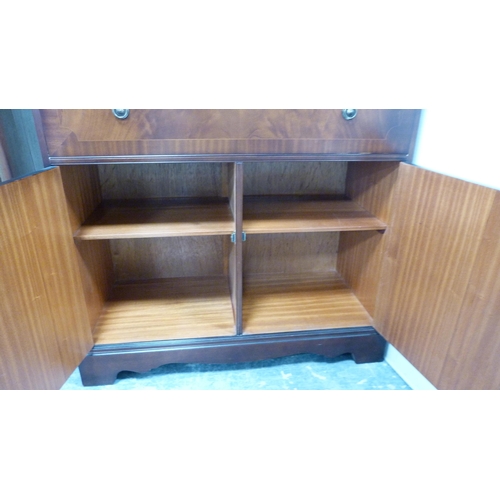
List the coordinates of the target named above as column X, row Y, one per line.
column 152, row 134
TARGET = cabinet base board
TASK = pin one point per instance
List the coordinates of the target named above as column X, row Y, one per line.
column 104, row 362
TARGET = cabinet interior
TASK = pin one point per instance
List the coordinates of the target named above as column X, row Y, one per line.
column 158, row 261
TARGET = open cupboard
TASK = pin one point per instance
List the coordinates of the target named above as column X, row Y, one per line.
column 241, row 256
column 235, row 235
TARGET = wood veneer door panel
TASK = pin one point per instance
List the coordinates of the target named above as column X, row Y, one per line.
column 44, row 327
column 473, row 358
column 433, row 242
column 85, row 133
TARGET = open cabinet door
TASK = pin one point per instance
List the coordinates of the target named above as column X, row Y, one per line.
column 438, row 295
column 44, row 326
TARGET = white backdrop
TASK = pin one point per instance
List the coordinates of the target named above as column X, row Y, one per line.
column 460, row 142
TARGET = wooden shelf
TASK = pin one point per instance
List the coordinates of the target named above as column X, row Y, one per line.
column 162, row 218
column 175, row 308
column 284, row 303
column 268, row 214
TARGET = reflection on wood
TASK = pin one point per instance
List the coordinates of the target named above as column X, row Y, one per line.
column 282, row 303
column 162, row 219
column 166, row 309
column 276, row 215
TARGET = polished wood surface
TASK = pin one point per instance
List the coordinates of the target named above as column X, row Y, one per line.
column 281, row 303
column 97, row 133
column 359, row 260
column 45, row 331
column 473, row 356
column 166, row 309
column 155, row 220
column 278, row 215
column 434, row 240
column 104, row 362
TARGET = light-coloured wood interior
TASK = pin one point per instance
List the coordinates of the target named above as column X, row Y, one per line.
column 83, row 196
column 290, row 253
column 175, row 269
column 287, row 302
column 166, row 309
column 167, row 218
column 276, row 215
column 372, row 185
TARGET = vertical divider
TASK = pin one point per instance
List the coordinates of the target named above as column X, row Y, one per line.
column 235, row 191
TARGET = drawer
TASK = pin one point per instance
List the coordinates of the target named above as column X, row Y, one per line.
column 79, row 136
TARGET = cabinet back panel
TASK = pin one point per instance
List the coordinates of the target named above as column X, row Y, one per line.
column 140, row 181
column 290, row 253
column 156, row 258
column 294, row 178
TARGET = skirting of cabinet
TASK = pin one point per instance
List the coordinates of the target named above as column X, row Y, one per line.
column 104, row 362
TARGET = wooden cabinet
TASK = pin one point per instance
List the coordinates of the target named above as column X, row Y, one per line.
column 73, row 136
column 236, row 235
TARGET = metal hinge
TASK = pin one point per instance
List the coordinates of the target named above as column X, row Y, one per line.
column 243, row 237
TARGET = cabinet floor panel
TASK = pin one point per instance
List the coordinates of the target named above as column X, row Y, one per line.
column 268, row 214
column 287, row 303
column 175, row 308
column 155, row 220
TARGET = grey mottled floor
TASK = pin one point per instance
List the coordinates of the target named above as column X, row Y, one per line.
column 302, row 372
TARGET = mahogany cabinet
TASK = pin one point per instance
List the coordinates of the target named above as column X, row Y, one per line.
column 235, row 235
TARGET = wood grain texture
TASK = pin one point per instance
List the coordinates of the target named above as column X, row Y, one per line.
column 83, row 192
column 282, row 303
column 141, row 259
column 473, row 356
column 290, row 253
column 169, row 217
column 83, row 196
column 278, row 215
column 166, row 309
column 175, row 132
column 294, row 178
column 373, row 186
column 146, row 181
column 45, row 332
column 235, row 191
column 434, row 239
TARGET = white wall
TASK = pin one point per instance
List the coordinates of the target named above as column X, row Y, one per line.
column 461, row 142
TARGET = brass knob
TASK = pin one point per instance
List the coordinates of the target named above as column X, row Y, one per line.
column 121, row 114
column 349, row 114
